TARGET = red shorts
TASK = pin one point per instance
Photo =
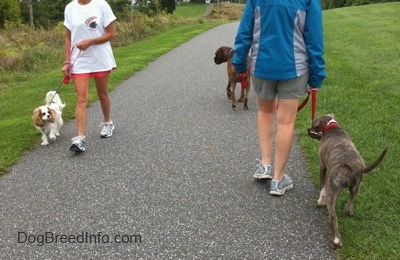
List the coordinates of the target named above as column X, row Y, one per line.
column 99, row 74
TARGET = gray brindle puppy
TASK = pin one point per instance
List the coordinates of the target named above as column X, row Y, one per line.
column 341, row 166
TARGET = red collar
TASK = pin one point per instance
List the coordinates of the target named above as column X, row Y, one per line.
column 330, row 125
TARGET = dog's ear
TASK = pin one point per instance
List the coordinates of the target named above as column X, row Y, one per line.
column 53, row 115
column 37, row 118
column 332, row 116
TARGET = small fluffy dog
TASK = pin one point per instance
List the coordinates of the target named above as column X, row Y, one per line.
column 341, row 166
column 48, row 118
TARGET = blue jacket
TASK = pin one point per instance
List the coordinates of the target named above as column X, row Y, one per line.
column 286, row 40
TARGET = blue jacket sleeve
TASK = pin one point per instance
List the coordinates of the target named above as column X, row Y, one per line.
column 244, row 38
column 314, row 40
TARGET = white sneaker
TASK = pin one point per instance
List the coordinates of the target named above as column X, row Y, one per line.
column 107, row 129
column 280, row 187
column 78, row 144
column 263, row 172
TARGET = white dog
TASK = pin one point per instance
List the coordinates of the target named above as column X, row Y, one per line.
column 48, row 118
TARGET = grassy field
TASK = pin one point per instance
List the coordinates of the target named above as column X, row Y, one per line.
column 362, row 89
column 190, row 10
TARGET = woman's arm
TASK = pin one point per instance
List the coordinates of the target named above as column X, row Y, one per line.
column 107, row 36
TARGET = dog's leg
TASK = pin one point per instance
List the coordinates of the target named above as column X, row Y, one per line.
column 246, row 94
column 241, row 99
column 348, row 210
column 232, row 88
column 322, row 197
column 53, row 131
column 333, row 192
column 45, row 140
column 322, row 181
column 60, row 123
column 228, row 90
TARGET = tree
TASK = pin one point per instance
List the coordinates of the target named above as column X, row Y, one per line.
column 45, row 12
column 168, row 5
column 9, row 12
column 118, row 6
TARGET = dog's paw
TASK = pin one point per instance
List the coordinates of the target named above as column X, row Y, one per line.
column 336, row 243
column 322, row 198
column 348, row 210
column 52, row 137
column 44, row 143
column 57, row 134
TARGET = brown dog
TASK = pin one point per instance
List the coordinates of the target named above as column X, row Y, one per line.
column 225, row 54
column 341, row 166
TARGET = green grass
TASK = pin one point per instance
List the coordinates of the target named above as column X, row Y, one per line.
column 190, row 10
column 21, row 97
column 362, row 54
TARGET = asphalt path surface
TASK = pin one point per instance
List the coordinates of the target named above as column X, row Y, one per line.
column 173, row 182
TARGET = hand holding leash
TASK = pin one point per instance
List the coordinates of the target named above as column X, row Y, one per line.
column 242, row 75
column 65, row 70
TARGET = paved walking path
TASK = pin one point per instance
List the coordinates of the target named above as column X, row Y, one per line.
column 177, row 172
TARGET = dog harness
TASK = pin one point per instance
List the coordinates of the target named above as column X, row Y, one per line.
column 229, row 53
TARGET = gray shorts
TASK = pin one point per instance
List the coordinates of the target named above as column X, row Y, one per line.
column 284, row 89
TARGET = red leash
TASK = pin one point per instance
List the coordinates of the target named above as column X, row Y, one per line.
column 313, row 103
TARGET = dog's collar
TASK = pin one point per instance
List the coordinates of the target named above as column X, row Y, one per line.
column 332, row 123
column 229, row 52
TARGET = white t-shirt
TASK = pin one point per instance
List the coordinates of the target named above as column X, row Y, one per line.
column 86, row 22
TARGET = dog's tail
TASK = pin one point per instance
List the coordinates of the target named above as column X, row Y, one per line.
column 49, row 97
column 377, row 161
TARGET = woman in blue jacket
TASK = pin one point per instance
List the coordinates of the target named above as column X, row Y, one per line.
column 286, row 42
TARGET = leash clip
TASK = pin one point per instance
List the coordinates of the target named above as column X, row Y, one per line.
column 315, row 135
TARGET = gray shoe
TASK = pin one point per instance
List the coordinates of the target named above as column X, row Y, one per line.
column 280, row 187
column 107, row 129
column 263, row 172
column 78, row 144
